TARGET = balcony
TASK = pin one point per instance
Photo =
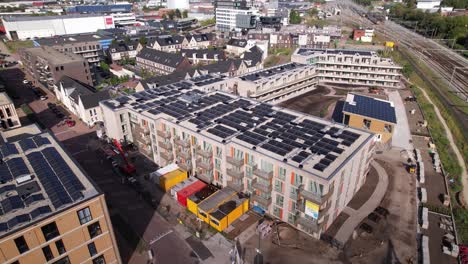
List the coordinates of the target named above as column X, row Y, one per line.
column 309, row 224
column 204, row 165
column 266, row 188
column 234, row 161
column 164, row 134
column 263, row 174
column 183, row 143
column 204, row 153
column 205, row 177
column 235, row 173
column 185, row 155
column 261, row 200
column 185, row 166
column 314, row 197
column 166, row 156
column 166, row 146
column 238, row 187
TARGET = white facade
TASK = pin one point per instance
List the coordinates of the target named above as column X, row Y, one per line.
column 124, row 19
column 23, row 28
column 8, row 117
column 156, row 3
column 226, row 18
column 428, row 4
column 295, row 192
column 178, row 4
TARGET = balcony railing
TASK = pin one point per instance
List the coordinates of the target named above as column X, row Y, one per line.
column 238, row 187
column 314, row 197
column 204, row 153
column 185, row 154
column 204, row 165
column 309, row 224
column 166, row 146
column 205, row 177
column 166, row 156
column 266, row 188
column 235, row 161
column 263, row 174
column 183, row 143
column 185, row 166
column 261, row 200
column 163, row 134
column 235, row 173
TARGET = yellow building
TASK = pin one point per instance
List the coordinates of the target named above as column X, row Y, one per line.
column 51, row 211
column 368, row 113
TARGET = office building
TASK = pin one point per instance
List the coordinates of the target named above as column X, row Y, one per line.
column 231, row 15
column 30, row 27
column 301, row 169
column 369, row 113
column 51, row 211
column 45, row 66
column 178, row 4
column 8, row 117
column 353, row 67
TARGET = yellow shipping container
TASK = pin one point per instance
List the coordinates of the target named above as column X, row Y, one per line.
column 220, row 221
column 168, row 180
column 389, row 44
column 192, row 206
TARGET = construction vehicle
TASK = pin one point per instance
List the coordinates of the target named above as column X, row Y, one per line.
column 411, row 168
column 125, row 165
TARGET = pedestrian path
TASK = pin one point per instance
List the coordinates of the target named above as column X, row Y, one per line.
column 401, row 133
column 356, row 216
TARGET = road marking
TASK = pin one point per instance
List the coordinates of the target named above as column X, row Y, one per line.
column 78, row 152
column 62, row 132
column 154, row 240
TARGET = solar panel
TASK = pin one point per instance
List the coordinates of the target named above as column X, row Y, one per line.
column 33, row 198
column 12, row 203
column 3, row 227
column 17, row 167
column 27, row 144
column 41, row 141
column 5, row 174
column 8, row 149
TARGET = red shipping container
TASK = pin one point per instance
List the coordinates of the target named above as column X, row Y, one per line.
column 183, row 194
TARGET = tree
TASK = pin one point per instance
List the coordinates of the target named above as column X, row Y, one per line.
column 104, row 66
column 164, row 16
column 294, row 17
column 177, row 13
column 143, row 40
column 185, row 14
column 171, row 14
column 407, row 70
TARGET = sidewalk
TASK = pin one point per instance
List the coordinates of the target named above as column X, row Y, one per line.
column 401, row 132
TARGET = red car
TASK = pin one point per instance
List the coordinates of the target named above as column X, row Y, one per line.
column 71, row 123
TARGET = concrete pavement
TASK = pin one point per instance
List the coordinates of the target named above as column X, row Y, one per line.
column 401, row 132
column 356, row 216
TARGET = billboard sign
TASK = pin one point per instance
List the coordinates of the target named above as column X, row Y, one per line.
column 312, row 209
column 109, row 21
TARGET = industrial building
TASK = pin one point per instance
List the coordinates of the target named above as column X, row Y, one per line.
column 301, row 169
column 353, row 67
column 31, row 27
column 8, row 116
column 106, row 9
column 51, row 212
column 45, row 66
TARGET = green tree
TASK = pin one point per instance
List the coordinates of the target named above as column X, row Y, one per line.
column 177, row 13
column 104, row 66
column 185, row 14
column 407, row 70
column 294, row 17
column 143, row 40
column 171, row 15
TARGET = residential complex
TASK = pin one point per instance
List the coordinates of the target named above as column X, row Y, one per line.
column 51, row 211
column 45, row 66
column 123, row 50
column 161, row 62
column 354, row 67
column 301, row 169
column 8, row 116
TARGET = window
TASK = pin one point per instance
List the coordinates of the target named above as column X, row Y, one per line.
column 279, row 200
column 92, row 249
column 1, row 114
column 387, row 128
column 94, row 230
column 84, row 215
column 47, row 253
column 60, row 247
column 282, row 174
column 21, row 244
column 64, row 260
column 278, row 186
column 61, row 68
column 91, row 112
column 99, row 260
column 366, row 123
column 8, row 111
column 56, row 68
column 50, row 231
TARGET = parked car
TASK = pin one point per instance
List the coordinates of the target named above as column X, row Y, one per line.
column 43, row 98
column 70, row 123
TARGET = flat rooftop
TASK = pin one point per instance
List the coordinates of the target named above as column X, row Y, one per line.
column 308, row 52
column 311, row 144
column 70, row 39
column 39, row 18
column 5, row 99
column 37, row 179
column 54, row 56
column 273, row 71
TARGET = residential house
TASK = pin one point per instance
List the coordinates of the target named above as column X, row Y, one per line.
column 199, row 41
column 168, row 43
column 161, row 62
column 203, row 56
column 124, row 50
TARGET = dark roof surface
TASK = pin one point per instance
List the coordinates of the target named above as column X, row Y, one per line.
column 92, row 100
column 161, row 57
column 123, row 46
column 199, row 53
column 237, row 42
column 370, row 107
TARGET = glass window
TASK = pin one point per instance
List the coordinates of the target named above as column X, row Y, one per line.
column 92, row 249
column 21, row 244
column 282, row 174
column 266, row 166
column 64, row 260
column 99, row 260
column 8, row 111
column 277, row 212
column 293, row 193
column 60, row 247
column 84, row 215
column 388, row 128
column 366, row 123
column 279, row 200
column 47, row 253
column 94, row 230
column 278, row 186
column 50, row 231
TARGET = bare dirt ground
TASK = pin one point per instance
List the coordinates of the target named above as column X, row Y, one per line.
column 394, row 237
column 316, row 102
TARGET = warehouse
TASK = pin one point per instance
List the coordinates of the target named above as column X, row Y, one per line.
column 31, row 27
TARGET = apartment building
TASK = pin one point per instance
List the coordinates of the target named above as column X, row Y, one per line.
column 124, row 50
column 353, row 67
column 299, row 168
column 161, row 62
column 45, row 66
column 203, row 56
column 199, row 41
column 81, row 99
column 51, row 211
column 89, row 46
column 168, row 43
column 230, row 15
column 8, row 117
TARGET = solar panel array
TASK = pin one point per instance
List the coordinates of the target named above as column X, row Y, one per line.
column 371, row 107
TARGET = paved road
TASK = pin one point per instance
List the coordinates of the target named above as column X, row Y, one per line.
column 401, row 133
column 356, row 216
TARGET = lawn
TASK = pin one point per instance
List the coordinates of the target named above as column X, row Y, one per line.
column 13, row 46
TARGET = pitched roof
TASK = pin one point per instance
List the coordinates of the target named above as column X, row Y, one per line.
column 370, row 107
column 167, row 40
column 92, row 100
column 161, row 57
column 254, row 55
column 123, row 46
column 200, row 37
column 75, row 87
column 199, row 53
column 237, row 42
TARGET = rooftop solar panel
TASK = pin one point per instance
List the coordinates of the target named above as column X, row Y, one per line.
column 370, row 107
